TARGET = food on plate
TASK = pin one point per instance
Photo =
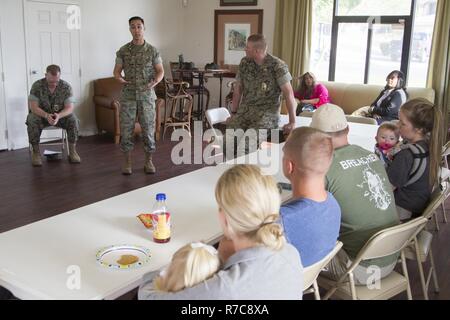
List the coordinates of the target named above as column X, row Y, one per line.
column 127, row 259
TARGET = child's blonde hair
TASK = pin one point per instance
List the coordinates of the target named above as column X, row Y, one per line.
column 427, row 117
column 190, row 265
column 392, row 126
column 251, row 204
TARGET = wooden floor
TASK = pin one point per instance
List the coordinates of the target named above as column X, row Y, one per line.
column 30, row 194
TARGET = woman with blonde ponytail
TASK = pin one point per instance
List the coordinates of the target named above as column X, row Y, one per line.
column 262, row 265
column 414, row 172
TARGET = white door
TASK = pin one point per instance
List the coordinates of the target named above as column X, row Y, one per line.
column 3, row 135
column 52, row 38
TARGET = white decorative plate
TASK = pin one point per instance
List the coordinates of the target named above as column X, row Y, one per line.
column 116, row 256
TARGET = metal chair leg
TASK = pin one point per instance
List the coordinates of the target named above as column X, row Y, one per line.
column 443, row 212
column 316, row 290
column 420, row 267
column 436, row 221
column 433, row 272
column 405, row 273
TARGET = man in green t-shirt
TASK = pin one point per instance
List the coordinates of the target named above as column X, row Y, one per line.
column 358, row 181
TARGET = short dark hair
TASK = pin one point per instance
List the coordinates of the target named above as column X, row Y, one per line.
column 53, row 69
column 136, row 18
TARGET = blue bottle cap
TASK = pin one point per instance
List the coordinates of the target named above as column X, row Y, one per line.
column 160, row 197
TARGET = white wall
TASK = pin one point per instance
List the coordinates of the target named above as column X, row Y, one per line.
column 13, row 50
column 104, row 31
column 171, row 28
column 197, row 43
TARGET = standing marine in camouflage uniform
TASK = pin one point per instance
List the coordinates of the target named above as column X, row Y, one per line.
column 260, row 81
column 143, row 70
column 51, row 103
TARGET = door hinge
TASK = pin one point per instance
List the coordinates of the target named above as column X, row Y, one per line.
column 79, row 71
column 3, row 77
column 6, row 134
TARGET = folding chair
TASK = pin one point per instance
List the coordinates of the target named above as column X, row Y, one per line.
column 311, row 273
column 384, row 243
column 445, row 176
column 420, row 247
column 51, row 134
column 215, row 116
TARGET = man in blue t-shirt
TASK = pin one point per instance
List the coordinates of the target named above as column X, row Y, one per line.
column 312, row 219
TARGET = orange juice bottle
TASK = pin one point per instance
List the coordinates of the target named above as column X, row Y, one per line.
column 161, row 224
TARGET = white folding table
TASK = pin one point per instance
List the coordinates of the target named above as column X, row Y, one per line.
column 37, row 260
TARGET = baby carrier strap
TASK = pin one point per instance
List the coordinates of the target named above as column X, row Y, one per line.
column 420, row 160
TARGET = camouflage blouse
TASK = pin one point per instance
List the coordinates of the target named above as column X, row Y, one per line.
column 138, row 65
column 51, row 102
column 261, row 84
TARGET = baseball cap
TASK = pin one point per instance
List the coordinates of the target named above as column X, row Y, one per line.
column 329, row 118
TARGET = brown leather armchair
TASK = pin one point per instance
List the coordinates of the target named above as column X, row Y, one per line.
column 107, row 93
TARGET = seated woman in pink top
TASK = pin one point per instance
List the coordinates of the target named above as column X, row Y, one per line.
column 311, row 94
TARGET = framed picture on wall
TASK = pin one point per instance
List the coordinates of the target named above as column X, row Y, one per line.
column 231, row 30
column 238, row 2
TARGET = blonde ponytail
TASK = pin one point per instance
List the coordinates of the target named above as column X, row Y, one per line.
column 271, row 235
column 251, row 204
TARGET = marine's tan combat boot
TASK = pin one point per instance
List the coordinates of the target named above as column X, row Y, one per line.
column 73, row 155
column 36, row 160
column 126, row 168
column 149, row 168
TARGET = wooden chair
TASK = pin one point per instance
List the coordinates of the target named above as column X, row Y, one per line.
column 193, row 89
column 229, row 96
column 179, row 103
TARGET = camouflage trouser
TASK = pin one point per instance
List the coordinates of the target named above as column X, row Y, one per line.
column 146, row 113
column 35, row 124
column 261, row 120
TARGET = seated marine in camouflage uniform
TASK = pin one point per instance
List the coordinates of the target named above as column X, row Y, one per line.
column 260, row 81
column 143, row 70
column 51, row 103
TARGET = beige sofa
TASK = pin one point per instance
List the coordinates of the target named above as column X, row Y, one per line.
column 350, row 97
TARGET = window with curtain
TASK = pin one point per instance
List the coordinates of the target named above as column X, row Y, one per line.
column 361, row 41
